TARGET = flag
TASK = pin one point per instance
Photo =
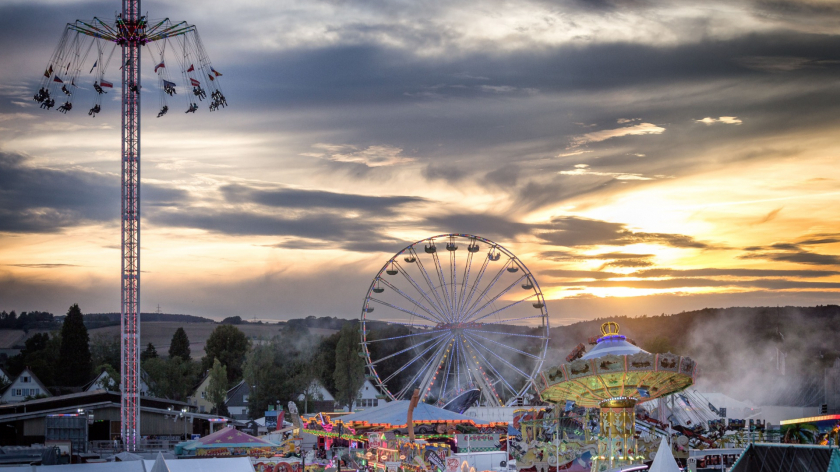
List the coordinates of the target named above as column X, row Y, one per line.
column 194, row 82
column 57, row 79
column 215, row 72
column 105, row 83
column 280, row 416
column 48, row 72
column 94, row 67
column 570, row 405
column 159, row 66
column 167, row 83
column 211, row 77
column 643, row 392
column 191, row 68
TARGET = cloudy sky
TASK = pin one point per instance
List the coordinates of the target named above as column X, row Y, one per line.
column 639, row 156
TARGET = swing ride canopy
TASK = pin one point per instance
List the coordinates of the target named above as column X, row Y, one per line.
column 616, row 371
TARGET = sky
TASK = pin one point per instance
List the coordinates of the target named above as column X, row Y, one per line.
column 640, row 157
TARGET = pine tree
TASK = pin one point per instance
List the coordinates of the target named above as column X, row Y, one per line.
column 349, row 367
column 74, row 360
column 180, row 345
column 217, row 389
column 149, row 353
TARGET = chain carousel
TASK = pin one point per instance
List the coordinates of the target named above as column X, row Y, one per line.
column 615, row 376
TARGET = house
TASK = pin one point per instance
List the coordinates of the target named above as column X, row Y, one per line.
column 316, row 398
column 199, row 398
column 369, row 396
column 237, row 401
column 26, row 385
column 103, row 381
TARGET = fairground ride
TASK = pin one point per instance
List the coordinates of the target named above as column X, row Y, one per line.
column 81, row 62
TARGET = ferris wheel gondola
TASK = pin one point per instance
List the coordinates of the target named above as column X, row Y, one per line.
column 449, row 324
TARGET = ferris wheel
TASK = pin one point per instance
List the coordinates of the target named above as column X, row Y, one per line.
column 454, row 314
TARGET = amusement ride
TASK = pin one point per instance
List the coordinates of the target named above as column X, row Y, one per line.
column 83, row 60
column 466, row 322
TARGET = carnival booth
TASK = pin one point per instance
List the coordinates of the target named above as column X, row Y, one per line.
column 378, row 438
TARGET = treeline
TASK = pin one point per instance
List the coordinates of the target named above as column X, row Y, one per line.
column 27, row 320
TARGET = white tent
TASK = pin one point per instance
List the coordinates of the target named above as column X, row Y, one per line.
column 664, row 460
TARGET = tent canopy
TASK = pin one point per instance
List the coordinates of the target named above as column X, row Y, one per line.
column 228, row 437
column 786, row 457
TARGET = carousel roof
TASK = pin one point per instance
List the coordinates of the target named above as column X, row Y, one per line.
column 615, row 344
column 394, row 415
column 614, row 370
column 228, row 437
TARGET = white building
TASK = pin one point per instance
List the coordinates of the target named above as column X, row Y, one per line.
column 103, row 381
column 25, row 385
column 369, row 396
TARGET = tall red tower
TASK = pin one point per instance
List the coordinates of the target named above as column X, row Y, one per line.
column 132, row 30
column 68, row 68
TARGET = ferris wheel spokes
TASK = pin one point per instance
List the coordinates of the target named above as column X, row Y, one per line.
column 505, row 361
column 427, row 278
column 493, row 300
column 471, row 293
column 504, row 345
column 409, row 298
column 504, row 307
column 412, row 361
column 416, row 287
column 424, row 368
column 406, row 349
column 498, row 375
column 489, row 287
column 391, row 305
column 443, row 286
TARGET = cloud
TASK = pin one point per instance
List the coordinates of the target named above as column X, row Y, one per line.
column 371, row 156
column 795, row 252
column 43, row 266
column 677, row 283
column 583, row 169
column 43, row 200
column 571, row 231
column 727, row 120
column 316, row 199
column 603, row 135
column 795, row 255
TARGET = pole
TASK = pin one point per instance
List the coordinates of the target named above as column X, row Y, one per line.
column 131, row 28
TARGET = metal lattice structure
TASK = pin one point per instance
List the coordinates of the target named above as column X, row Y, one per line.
column 132, row 32
column 455, row 315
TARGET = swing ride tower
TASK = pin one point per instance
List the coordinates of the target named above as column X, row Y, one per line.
column 131, row 32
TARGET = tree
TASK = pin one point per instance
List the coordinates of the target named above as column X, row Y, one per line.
column 217, row 389
column 105, row 349
column 180, row 345
column 74, row 360
column 279, row 370
column 349, row 366
column 228, row 344
column 149, row 353
column 325, row 361
column 171, row 378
